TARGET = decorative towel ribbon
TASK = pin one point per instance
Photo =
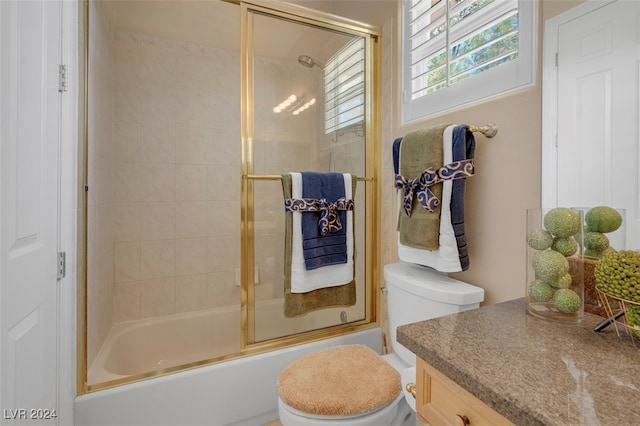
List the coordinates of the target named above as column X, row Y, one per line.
column 431, row 176
column 329, row 219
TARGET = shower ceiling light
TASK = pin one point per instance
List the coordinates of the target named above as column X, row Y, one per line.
column 304, row 106
column 286, row 105
column 293, row 103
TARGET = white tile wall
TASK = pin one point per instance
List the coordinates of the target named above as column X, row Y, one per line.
column 176, row 186
column 176, row 217
column 100, row 211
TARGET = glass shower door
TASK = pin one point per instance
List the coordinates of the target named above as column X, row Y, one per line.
column 306, row 112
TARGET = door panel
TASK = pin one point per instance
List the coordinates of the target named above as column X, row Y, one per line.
column 30, row 37
column 598, row 112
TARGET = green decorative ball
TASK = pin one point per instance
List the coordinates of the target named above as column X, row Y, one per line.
column 549, row 264
column 618, row 275
column 566, row 300
column 565, row 281
column 593, row 253
column 603, row 219
column 565, row 246
column 540, row 291
column 596, row 241
column 539, row 239
column 633, row 317
column 562, row 222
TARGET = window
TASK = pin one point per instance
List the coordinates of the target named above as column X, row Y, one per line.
column 457, row 52
column 344, row 87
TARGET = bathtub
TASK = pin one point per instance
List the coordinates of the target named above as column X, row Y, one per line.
column 241, row 391
column 142, row 346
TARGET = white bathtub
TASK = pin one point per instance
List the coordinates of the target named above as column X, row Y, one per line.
column 240, row 391
column 149, row 345
column 137, row 347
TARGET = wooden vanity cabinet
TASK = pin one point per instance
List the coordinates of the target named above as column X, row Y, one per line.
column 440, row 401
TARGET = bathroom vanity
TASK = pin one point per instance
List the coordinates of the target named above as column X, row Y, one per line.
column 497, row 366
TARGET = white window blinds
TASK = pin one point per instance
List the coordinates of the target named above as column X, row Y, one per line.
column 344, row 87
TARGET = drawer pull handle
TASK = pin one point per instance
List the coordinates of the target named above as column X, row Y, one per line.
column 461, row 420
column 411, row 388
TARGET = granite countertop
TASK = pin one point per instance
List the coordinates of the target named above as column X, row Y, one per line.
column 533, row 371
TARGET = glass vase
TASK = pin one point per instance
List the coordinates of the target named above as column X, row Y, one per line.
column 615, row 240
column 555, row 272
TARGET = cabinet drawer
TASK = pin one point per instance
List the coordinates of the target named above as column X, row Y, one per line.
column 441, row 401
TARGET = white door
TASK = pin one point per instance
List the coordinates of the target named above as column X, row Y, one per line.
column 599, row 112
column 30, row 41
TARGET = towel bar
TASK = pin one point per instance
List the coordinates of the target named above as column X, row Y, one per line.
column 278, row 177
column 490, row 130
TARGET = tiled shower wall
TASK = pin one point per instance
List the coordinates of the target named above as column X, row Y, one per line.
column 177, row 187
column 100, row 254
column 177, row 192
column 167, row 127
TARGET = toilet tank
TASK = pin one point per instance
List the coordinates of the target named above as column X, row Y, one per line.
column 416, row 293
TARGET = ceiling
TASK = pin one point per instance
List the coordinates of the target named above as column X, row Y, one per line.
column 216, row 23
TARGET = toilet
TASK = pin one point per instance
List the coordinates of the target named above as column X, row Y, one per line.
column 414, row 293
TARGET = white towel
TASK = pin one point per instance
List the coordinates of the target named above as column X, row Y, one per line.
column 445, row 258
column 303, row 281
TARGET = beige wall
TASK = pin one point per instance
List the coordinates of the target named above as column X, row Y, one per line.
column 508, row 167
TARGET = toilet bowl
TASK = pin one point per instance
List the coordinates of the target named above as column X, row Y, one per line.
column 414, row 293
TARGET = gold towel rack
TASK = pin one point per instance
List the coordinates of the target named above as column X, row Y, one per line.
column 278, row 177
column 490, row 130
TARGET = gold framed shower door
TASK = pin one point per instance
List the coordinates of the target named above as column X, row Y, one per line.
column 368, row 187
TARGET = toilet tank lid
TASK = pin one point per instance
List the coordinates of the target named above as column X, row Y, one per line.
column 431, row 284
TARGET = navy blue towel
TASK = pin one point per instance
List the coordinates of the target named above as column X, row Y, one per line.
column 464, row 147
column 331, row 249
column 396, row 155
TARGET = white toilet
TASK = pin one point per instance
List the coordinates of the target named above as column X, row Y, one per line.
column 415, row 293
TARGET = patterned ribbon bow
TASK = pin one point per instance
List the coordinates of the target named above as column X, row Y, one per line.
column 431, row 176
column 329, row 218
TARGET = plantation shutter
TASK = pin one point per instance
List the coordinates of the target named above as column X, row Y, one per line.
column 452, row 40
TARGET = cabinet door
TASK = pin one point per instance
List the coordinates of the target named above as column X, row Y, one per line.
column 441, row 402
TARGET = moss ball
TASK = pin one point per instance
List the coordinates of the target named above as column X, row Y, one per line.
column 593, row 254
column 564, row 281
column 596, row 241
column 565, row 246
column 539, row 239
column 603, row 219
column 540, row 291
column 549, row 264
column 562, row 222
column 566, row 300
column 633, row 317
column 599, row 254
column 618, row 274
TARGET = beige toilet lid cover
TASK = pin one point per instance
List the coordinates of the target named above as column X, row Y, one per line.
column 340, row 381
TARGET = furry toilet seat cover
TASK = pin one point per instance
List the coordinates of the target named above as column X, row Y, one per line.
column 340, row 381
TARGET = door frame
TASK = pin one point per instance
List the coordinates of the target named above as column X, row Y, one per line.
column 71, row 131
column 65, row 212
column 549, row 183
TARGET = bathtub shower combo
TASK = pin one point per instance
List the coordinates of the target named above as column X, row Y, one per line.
column 194, row 111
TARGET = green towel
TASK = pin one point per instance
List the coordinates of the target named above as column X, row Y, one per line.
column 296, row 304
column 419, row 151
